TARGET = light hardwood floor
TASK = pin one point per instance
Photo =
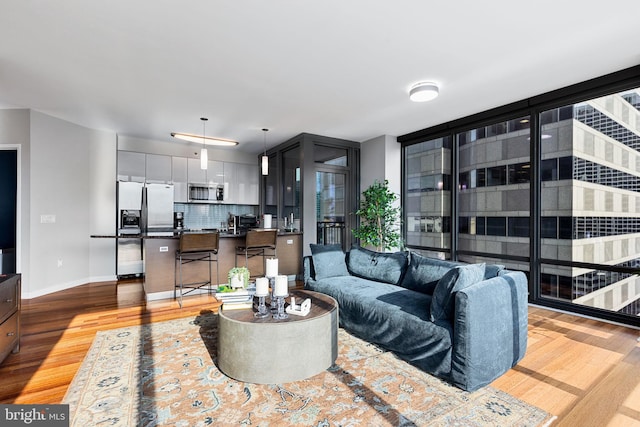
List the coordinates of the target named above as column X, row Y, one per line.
column 584, row 371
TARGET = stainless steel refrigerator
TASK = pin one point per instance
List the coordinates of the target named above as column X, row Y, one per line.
column 157, row 207
column 129, row 254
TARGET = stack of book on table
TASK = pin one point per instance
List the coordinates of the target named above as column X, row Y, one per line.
column 236, row 299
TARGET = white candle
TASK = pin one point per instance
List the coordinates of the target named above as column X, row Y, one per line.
column 281, row 286
column 272, row 267
column 262, row 287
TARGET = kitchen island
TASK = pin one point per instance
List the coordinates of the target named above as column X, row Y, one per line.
column 159, row 250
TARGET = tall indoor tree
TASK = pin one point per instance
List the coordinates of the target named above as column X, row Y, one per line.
column 379, row 218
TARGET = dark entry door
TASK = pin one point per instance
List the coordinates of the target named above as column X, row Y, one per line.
column 8, row 204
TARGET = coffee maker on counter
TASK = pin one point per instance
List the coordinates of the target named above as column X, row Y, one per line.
column 178, row 220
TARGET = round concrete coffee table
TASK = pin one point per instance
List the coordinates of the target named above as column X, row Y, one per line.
column 269, row 351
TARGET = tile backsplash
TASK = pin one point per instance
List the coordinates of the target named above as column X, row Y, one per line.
column 205, row 215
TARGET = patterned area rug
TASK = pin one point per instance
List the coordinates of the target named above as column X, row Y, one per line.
column 165, row 374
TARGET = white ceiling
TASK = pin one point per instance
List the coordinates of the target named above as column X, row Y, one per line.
column 145, row 68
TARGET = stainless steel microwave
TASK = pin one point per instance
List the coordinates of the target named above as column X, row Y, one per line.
column 207, row 193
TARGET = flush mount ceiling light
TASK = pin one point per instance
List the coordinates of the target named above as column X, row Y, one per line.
column 423, row 91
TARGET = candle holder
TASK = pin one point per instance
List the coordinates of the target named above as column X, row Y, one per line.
column 274, row 303
column 262, row 308
column 280, row 313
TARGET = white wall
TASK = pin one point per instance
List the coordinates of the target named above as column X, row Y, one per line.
column 72, row 178
column 68, row 171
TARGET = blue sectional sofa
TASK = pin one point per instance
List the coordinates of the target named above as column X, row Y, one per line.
column 465, row 323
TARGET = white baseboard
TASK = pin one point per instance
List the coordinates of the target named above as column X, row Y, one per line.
column 155, row 296
column 53, row 288
column 100, row 279
column 67, row 285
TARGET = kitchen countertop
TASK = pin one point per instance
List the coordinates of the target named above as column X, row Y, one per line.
column 175, row 234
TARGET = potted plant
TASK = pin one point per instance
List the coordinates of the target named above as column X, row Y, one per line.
column 379, row 218
column 238, row 277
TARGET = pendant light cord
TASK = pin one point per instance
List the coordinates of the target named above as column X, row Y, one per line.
column 204, row 124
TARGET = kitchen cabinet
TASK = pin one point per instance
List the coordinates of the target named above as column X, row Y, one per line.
column 158, row 169
column 215, row 172
column 247, row 183
column 195, row 174
column 10, row 295
column 231, row 183
column 131, row 166
column 180, row 178
column 240, row 181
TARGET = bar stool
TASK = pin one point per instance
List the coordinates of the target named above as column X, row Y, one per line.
column 195, row 247
column 257, row 243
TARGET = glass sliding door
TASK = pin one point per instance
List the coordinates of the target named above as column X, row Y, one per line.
column 331, row 207
column 591, row 203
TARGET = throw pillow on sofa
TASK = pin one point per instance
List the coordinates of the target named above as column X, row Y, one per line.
column 423, row 273
column 328, row 261
column 493, row 270
column 379, row 266
column 458, row 278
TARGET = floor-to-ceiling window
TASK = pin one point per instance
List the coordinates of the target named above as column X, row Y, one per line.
column 591, row 203
column 551, row 188
column 494, row 171
column 427, row 196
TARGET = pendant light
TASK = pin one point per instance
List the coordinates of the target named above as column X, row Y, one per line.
column 204, row 155
column 265, row 158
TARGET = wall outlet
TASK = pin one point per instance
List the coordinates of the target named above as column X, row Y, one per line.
column 59, row 263
column 289, row 241
column 47, row 219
